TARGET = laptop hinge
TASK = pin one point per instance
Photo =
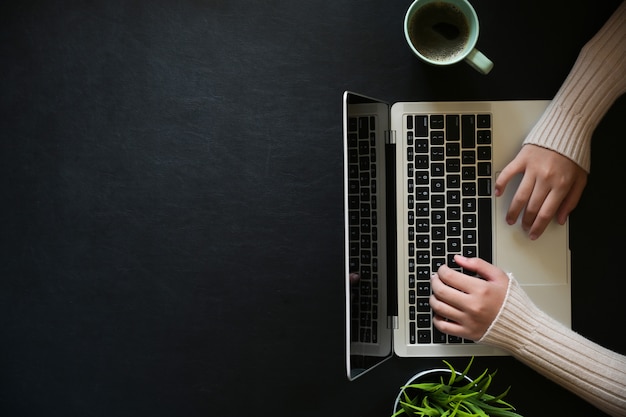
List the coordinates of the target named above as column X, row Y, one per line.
column 392, row 322
column 390, row 137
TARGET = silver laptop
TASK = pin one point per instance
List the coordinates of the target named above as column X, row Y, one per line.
column 418, row 183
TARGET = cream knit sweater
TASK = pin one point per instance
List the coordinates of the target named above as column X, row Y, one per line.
column 597, row 79
column 592, row 372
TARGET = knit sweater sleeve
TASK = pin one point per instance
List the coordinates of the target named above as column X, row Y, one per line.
column 597, row 79
column 594, row 373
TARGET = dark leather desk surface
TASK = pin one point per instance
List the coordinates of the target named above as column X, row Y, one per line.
column 171, row 237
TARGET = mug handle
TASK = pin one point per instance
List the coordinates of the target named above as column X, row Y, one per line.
column 479, row 61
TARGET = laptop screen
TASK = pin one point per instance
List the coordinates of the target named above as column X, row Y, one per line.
column 368, row 201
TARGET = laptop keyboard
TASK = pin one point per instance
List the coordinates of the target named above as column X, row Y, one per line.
column 448, row 207
column 448, row 163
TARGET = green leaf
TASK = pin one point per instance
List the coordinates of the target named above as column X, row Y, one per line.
column 500, row 397
column 494, row 411
column 467, row 368
column 453, row 374
column 479, row 412
column 425, row 386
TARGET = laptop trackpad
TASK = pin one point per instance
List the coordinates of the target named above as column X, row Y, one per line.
column 544, row 261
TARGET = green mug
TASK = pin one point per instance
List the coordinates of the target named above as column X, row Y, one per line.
column 444, row 32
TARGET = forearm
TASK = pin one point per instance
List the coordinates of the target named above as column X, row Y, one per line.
column 592, row 372
column 597, row 79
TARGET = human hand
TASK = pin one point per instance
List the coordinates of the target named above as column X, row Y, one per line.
column 551, row 186
column 466, row 306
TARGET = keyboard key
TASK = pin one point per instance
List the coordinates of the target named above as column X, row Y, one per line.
column 422, row 225
column 470, row 251
column 469, row 205
column 468, row 157
column 468, row 189
column 421, row 146
column 438, row 248
column 422, row 241
column 483, row 137
column 483, row 153
column 469, row 237
column 423, row 321
column 437, row 153
column 436, row 121
column 453, row 228
column 484, row 229
column 421, row 126
column 468, row 173
column 484, row 169
column 423, row 336
column 453, row 197
column 484, row 186
column 453, row 127
column 438, row 201
column 453, row 212
column 452, row 149
column 453, row 165
column 438, row 233
column 437, row 138
column 437, row 169
column 423, row 304
column 483, row 121
column 439, row 337
column 453, row 181
column 468, row 131
column 423, row 289
column 438, row 217
column 421, row 162
column 423, row 273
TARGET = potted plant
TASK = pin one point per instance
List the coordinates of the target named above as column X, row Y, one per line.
column 449, row 393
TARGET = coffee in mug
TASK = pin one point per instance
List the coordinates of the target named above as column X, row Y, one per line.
column 443, row 32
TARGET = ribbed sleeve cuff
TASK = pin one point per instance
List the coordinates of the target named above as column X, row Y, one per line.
column 590, row 89
column 515, row 320
column 589, row 370
column 566, row 133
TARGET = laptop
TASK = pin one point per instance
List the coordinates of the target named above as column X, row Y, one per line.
column 418, row 188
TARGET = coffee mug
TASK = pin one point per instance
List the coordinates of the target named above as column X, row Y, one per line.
column 444, row 32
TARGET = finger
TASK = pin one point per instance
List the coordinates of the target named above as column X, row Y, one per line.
column 509, row 171
column 455, row 286
column 486, row 270
column 541, row 207
column 444, row 310
column 571, row 200
column 545, row 215
column 450, row 279
column 520, row 199
column 445, row 293
column 449, row 327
